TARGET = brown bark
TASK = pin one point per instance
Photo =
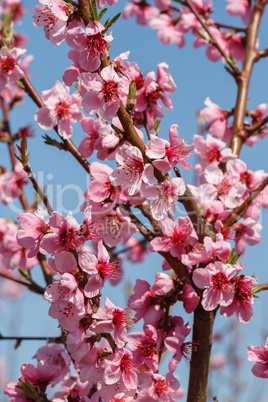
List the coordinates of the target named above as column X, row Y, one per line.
column 199, row 365
column 238, row 137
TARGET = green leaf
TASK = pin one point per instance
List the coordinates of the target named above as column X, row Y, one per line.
column 28, row 390
column 102, row 12
column 24, row 273
column 203, row 35
column 132, row 91
column 93, row 10
column 109, row 23
column 233, row 257
column 156, row 126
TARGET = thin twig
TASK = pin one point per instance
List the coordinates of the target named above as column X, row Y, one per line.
column 213, row 41
column 31, row 286
column 69, row 145
column 250, row 131
column 37, row 188
column 239, row 211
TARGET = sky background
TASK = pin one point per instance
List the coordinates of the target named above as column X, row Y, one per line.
column 196, row 78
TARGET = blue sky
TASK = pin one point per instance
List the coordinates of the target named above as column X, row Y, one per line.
column 196, row 78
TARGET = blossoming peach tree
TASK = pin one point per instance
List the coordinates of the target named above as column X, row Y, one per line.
column 131, row 204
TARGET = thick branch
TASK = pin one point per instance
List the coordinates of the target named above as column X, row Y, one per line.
column 199, row 364
column 239, row 211
column 84, row 10
column 238, row 137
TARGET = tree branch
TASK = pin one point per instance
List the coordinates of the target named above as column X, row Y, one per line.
column 238, row 137
column 213, row 41
column 239, row 211
column 69, row 145
column 31, row 286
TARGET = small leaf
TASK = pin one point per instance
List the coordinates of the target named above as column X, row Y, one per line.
column 132, row 91
column 93, row 10
column 102, row 12
column 203, row 35
column 23, row 273
column 156, row 126
column 109, row 22
column 28, row 390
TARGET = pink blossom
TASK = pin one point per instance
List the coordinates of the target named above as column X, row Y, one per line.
column 174, row 342
column 165, row 196
column 168, row 155
column 136, row 250
column 143, row 11
column 190, row 298
column 55, row 355
column 240, row 8
column 215, row 279
column 179, row 235
column 90, row 126
column 132, row 171
column 142, row 301
column 259, row 355
column 101, row 188
column 252, row 179
column 101, row 93
column 168, row 31
column 60, row 108
column 230, row 190
column 216, row 118
column 32, row 229
column 210, row 151
column 144, row 346
column 111, row 318
column 53, row 16
column 243, row 299
column 65, row 234
column 119, row 367
column 246, row 233
column 11, row 253
column 99, row 268
column 11, row 183
column 116, row 226
column 161, row 388
column 10, row 71
column 208, row 251
column 14, row 7
column 163, row 284
column 67, row 301
column 89, row 43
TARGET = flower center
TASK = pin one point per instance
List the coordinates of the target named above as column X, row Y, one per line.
column 7, row 64
column 122, row 318
column 110, row 90
column 63, row 109
column 147, row 348
column 72, row 239
column 212, row 154
column 224, row 187
column 96, row 43
column 109, row 270
column 161, row 388
column 153, row 96
column 220, row 281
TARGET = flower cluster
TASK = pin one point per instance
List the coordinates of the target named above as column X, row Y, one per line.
column 116, row 103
